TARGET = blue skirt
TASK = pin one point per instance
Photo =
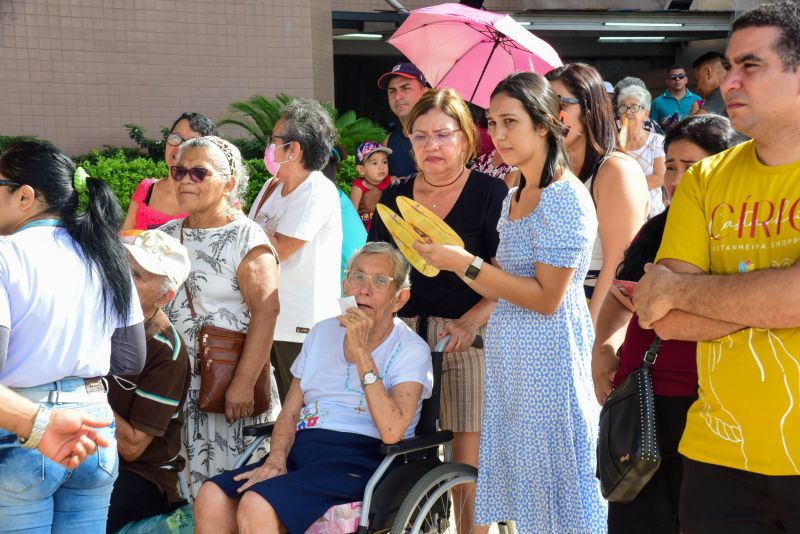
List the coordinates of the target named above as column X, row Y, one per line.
column 324, row 468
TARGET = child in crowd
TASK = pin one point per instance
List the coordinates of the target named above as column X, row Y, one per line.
column 372, row 164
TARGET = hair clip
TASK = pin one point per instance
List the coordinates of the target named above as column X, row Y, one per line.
column 79, row 180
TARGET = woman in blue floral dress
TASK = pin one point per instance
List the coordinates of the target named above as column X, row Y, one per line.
column 537, row 454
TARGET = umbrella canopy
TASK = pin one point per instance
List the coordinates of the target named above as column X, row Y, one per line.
column 469, row 49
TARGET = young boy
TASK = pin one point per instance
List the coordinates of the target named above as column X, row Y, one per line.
column 372, row 164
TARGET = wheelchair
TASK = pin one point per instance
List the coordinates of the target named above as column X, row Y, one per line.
column 412, row 489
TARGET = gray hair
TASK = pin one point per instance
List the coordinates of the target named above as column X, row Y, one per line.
column 312, row 127
column 226, row 160
column 168, row 285
column 634, row 91
column 629, row 80
column 402, row 270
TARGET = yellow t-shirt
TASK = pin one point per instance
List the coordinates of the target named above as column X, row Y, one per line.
column 732, row 214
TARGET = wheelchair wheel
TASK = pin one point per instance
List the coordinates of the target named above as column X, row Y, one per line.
column 429, row 507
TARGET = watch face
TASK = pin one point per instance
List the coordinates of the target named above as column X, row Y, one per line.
column 369, row 378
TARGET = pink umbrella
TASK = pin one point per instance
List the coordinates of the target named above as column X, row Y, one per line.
column 469, row 49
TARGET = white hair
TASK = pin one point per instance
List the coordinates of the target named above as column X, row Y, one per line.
column 641, row 95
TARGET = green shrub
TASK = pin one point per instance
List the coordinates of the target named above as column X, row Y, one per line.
column 347, row 174
column 123, row 173
column 152, row 148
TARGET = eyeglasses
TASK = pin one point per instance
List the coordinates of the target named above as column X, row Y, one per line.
column 276, row 136
column 175, row 139
column 442, row 137
column 9, row 183
column 569, row 100
column 677, row 76
column 379, row 282
column 633, row 109
column 196, row 174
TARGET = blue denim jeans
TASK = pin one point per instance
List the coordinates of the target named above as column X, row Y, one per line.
column 39, row 496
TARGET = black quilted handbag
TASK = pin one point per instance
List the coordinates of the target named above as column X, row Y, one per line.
column 627, row 449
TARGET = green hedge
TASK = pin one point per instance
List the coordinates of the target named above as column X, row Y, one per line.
column 123, row 172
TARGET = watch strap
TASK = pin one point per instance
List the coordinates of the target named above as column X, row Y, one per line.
column 473, row 269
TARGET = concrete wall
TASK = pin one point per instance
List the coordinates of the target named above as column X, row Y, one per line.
column 75, row 71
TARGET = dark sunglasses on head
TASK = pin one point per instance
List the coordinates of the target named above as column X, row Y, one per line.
column 677, row 76
column 196, row 174
column 569, row 100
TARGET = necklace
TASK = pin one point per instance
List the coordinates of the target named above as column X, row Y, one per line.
column 443, row 185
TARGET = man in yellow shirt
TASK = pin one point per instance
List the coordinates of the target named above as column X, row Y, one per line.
column 728, row 276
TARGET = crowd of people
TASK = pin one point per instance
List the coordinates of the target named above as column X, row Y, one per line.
column 688, row 195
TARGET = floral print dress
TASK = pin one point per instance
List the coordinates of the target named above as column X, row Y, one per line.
column 212, row 445
column 537, row 453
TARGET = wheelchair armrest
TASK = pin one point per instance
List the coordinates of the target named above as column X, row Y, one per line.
column 418, row 443
column 261, row 429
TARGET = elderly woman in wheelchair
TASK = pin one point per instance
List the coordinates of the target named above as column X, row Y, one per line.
column 359, row 380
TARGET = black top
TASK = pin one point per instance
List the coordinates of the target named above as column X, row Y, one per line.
column 474, row 218
column 401, row 160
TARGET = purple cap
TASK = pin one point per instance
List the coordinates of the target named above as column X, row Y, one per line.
column 368, row 147
column 406, row 70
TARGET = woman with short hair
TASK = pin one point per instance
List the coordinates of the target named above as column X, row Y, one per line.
column 300, row 212
column 633, row 106
column 359, row 381
column 232, row 284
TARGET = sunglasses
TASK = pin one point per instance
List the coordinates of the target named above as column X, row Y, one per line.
column 677, row 76
column 569, row 100
column 196, row 174
column 9, row 183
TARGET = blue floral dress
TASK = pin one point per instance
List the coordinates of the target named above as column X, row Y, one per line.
column 537, row 454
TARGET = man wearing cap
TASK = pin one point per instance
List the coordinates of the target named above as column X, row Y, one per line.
column 677, row 102
column 148, row 408
column 404, row 85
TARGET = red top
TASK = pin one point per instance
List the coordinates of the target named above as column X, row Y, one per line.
column 359, row 183
column 675, row 371
column 146, row 217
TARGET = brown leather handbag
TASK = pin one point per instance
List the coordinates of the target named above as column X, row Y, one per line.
column 219, row 351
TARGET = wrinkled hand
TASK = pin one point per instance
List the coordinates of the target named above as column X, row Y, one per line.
column 358, row 326
column 445, row 257
column 652, row 296
column 269, row 469
column 462, row 334
column 239, row 401
column 71, row 436
column 604, row 367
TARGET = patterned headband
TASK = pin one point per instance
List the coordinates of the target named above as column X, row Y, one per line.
column 226, row 150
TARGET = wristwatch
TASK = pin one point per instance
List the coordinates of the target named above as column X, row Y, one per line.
column 473, row 268
column 39, row 425
column 370, row 377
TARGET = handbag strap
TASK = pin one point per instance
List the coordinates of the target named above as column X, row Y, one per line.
column 267, row 194
column 185, row 286
column 651, row 354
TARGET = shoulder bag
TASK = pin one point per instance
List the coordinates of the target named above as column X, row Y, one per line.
column 627, row 449
column 219, row 351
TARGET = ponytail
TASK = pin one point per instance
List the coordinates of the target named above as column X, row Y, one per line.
column 95, row 232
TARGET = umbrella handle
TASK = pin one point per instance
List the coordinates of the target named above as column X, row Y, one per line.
column 485, row 66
